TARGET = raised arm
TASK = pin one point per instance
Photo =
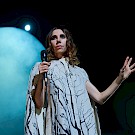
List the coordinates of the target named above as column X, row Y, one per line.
column 102, row 97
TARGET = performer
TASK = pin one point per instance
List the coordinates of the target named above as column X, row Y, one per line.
column 71, row 95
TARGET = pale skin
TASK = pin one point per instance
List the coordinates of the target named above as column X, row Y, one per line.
column 59, row 45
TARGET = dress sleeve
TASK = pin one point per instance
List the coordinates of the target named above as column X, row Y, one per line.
column 85, row 75
column 93, row 105
column 33, row 78
column 30, row 121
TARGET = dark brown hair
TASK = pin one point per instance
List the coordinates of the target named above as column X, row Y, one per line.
column 71, row 52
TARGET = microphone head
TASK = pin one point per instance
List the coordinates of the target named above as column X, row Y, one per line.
column 44, row 55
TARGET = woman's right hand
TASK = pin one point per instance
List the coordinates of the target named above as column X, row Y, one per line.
column 43, row 67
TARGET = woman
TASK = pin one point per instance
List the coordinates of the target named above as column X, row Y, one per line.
column 71, row 95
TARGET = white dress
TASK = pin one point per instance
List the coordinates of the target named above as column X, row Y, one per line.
column 70, row 107
column 70, row 110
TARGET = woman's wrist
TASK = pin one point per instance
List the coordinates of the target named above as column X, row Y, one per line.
column 119, row 79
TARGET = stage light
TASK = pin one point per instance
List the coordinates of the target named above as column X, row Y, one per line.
column 27, row 27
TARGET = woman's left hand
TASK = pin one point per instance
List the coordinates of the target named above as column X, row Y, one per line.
column 127, row 68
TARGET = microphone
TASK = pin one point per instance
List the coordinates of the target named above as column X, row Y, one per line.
column 43, row 55
column 44, row 58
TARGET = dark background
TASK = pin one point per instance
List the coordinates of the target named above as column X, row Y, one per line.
column 103, row 33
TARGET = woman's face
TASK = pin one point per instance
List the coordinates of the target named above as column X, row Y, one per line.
column 58, row 42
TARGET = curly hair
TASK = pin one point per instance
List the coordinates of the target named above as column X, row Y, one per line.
column 71, row 52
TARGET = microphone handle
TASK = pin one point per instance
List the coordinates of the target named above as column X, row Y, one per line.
column 45, row 78
column 46, row 99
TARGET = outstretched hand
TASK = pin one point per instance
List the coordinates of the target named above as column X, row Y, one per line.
column 127, row 68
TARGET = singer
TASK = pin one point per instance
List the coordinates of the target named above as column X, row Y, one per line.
column 71, row 95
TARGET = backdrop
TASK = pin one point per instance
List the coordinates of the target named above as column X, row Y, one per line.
column 19, row 51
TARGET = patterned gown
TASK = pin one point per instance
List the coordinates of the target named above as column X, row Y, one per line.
column 71, row 111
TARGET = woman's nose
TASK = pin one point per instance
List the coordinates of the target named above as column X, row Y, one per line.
column 58, row 39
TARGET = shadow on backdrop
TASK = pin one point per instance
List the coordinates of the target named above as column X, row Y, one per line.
column 124, row 108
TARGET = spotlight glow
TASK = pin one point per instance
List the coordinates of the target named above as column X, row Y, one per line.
column 27, row 27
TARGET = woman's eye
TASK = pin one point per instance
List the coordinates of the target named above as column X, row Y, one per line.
column 62, row 36
column 53, row 37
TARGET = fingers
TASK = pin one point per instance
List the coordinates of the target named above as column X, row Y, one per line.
column 133, row 70
column 129, row 61
column 44, row 66
column 45, row 63
column 132, row 66
column 126, row 61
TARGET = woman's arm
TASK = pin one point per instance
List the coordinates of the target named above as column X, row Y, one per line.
column 39, row 95
column 102, row 97
column 39, row 92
